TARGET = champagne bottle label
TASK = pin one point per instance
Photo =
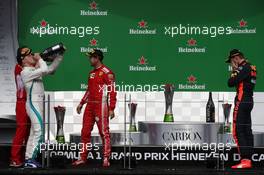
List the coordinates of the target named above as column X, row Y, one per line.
column 55, row 47
column 51, row 51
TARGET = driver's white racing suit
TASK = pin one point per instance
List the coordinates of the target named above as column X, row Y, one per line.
column 32, row 78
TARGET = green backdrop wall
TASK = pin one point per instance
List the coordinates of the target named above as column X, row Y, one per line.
column 146, row 41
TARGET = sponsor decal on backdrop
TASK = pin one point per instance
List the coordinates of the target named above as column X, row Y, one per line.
column 191, row 47
column 93, row 44
column 142, row 65
column 191, row 84
column 181, row 135
column 93, row 10
column 243, row 28
column 142, row 29
column 45, row 28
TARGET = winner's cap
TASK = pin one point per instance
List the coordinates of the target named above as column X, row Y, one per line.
column 95, row 52
column 233, row 53
column 22, row 52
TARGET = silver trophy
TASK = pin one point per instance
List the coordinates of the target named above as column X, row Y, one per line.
column 169, row 92
column 60, row 114
column 132, row 114
column 226, row 110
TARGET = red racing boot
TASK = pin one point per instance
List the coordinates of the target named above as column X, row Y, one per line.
column 106, row 162
column 16, row 164
column 245, row 163
column 79, row 162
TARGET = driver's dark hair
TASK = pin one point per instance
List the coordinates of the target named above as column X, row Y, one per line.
column 18, row 56
column 101, row 57
column 241, row 55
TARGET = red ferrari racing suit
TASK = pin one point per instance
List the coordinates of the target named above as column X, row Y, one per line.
column 22, row 119
column 100, row 98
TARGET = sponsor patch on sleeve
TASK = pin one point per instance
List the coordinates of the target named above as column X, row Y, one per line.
column 111, row 76
column 253, row 67
column 92, row 75
column 105, row 70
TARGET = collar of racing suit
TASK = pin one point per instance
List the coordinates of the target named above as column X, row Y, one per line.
column 99, row 67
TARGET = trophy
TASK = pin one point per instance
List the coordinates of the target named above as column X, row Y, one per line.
column 60, row 114
column 132, row 113
column 226, row 110
column 169, row 92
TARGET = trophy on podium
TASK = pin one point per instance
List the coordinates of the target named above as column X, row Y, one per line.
column 132, row 114
column 226, row 110
column 169, row 92
column 60, row 114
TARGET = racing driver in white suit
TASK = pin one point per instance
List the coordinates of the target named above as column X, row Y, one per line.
column 34, row 68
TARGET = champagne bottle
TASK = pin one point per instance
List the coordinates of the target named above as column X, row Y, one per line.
column 52, row 51
column 210, row 109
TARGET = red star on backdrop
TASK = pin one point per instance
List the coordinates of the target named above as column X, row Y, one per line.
column 191, row 42
column 242, row 23
column 142, row 60
column 93, row 42
column 142, row 24
column 43, row 23
column 93, row 5
column 191, row 79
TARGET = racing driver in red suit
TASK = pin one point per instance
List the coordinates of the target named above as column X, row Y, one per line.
column 22, row 119
column 100, row 100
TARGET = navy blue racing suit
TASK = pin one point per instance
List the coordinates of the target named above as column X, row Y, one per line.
column 244, row 79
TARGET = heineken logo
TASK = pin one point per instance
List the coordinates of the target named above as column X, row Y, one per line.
column 242, row 27
column 242, row 23
column 43, row 23
column 191, row 47
column 93, row 5
column 191, row 84
column 191, row 42
column 142, row 61
column 93, row 10
column 191, row 79
column 142, row 29
column 93, row 44
column 45, row 28
column 142, row 24
column 142, row 66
